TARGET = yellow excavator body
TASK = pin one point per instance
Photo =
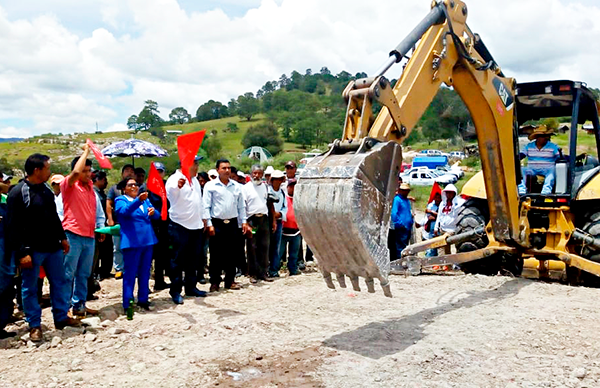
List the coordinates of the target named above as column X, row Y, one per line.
column 343, row 197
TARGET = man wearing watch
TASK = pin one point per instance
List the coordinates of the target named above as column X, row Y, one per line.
column 34, row 234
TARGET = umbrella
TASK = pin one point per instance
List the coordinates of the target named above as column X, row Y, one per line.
column 134, row 147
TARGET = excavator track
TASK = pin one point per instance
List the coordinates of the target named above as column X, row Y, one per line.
column 342, row 204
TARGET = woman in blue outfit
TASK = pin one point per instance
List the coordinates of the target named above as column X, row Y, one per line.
column 134, row 213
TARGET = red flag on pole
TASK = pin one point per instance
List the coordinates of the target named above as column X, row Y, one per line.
column 102, row 160
column 435, row 189
column 156, row 185
column 187, row 147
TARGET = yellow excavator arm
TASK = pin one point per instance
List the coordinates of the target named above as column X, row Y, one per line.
column 343, row 198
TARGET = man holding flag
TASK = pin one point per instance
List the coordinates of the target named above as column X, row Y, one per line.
column 186, row 226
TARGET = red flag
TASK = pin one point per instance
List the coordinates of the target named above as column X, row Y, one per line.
column 102, row 160
column 435, row 189
column 187, row 147
column 156, row 185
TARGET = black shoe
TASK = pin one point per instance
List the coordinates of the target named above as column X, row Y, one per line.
column 295, row 273
column 196, row 293
column 159, row 286
column 6, row 334
column 274, row 274
column 301, row 266
column 145, row 305
column 202, row 281
column 177, row 299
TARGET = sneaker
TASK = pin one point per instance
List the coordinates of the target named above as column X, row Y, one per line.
column 253, row 280
column 72, row 322
column 35, row 334
column 295, row 273
column 119, row 275
column 301, row 266
column 234, row 286
column 202, row 281
column 274, row 274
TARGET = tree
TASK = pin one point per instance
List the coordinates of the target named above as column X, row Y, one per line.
column 247, row 106
column 263, row 135
column 132, row 123
column 179, row 115
column 149, row 117
column 212, row 110
column 212, row 145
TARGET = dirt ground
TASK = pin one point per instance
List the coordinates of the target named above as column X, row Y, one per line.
column 437, row 331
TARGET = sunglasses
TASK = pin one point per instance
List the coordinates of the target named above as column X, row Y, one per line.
column 286, row 167
column 132, row 185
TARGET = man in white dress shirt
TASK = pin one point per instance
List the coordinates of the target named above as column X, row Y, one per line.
column 186, row 229
column 224, row 212
column 255, row 197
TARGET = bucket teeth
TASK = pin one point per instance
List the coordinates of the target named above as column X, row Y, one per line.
column 342, row 204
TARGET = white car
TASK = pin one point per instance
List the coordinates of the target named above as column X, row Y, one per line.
column 458, row 155
column 426, row 177
column 449, row 170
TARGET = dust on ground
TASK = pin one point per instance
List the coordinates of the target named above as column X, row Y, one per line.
column 437, row 331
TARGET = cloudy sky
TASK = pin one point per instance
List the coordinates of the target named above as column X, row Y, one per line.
column 69, row 64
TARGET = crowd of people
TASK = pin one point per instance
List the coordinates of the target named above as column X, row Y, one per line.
column 223, row 223
column 440, row 218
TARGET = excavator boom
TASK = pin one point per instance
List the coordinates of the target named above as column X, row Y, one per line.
column 343, row 198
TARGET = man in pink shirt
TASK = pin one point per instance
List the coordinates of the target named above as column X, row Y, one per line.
column 79, row 201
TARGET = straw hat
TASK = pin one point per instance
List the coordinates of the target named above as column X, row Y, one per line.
column 404, row 186
column 541, row 130
column 277, row 174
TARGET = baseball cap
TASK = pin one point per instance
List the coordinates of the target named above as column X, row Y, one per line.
column 213, row 173
column 240, row 173
column 269, row 170
column 291, row 164
column 159, row 166
column 56, row 178
column 6, row 177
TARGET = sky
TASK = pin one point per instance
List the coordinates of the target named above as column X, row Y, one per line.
column 69, row 65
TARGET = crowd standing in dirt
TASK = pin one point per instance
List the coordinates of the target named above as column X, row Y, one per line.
column 220, row 222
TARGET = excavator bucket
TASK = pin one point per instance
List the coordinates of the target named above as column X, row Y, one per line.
column 342, row 204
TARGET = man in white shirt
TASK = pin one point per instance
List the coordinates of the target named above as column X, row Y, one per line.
column 279, row 216
column 186, row 229
column 224, row 211
column 255, row 198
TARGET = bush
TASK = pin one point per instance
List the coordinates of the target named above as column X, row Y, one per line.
column 232, row 127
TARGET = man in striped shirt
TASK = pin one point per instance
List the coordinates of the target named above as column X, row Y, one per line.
column 541, row 156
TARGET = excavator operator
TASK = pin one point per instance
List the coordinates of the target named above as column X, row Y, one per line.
column 541, row 156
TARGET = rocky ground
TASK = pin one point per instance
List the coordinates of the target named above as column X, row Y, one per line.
column 437, row 331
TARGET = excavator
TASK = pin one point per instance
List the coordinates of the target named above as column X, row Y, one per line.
column 343, row 197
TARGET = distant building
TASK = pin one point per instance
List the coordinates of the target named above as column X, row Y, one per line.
column 174, row 132
column 257, row 153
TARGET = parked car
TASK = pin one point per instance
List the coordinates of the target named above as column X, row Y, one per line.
column 449, row 170
column 431, row 153
column 422, row 176
column 457, row 155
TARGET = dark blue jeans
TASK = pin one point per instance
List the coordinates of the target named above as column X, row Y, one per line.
column 293, row 249
column 60, row 287
column 7, row 287
column 402, row 240
column 274, row 253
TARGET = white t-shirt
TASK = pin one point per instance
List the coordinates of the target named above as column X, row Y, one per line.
column 255, row 198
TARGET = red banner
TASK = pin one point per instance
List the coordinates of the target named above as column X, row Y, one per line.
column 102, row 160
column 156, row 185
column 187, row 147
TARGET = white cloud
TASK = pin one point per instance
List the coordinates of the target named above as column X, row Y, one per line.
column 64, row 80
